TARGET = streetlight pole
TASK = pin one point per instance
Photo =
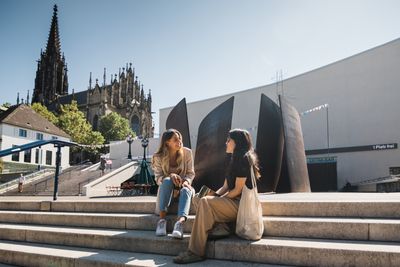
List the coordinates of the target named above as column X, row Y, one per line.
column 145, row 178
column 129, row 139
column 327, row 126
column 145, row 143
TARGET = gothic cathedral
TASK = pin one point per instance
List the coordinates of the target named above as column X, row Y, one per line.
column 124, row 95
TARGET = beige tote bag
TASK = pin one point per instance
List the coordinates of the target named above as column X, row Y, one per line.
column 249, row 222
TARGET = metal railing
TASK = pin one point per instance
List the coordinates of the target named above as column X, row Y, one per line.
column 68, row 171
column 28, row 179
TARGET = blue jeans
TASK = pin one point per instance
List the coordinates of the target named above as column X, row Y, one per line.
column 166, row 192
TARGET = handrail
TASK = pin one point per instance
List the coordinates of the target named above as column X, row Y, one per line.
column 31, row 145
column 27, row 178
column 66, row 171
column 57, row 143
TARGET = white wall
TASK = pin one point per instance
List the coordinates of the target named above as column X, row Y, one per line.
column 363, row 96
column 99, row 186
column 120, row 149
column 10, row 136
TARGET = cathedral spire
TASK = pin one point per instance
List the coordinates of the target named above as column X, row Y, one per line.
column 104, row 77
column 53, row 43
column 51, row 76
column 90, row 81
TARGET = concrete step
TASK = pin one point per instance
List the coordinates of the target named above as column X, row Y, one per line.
column 115, row 239
column 92, row 220
column 308, row 227
column 294, row 204
column 271, row 250
column 310, row 252
column 33, row 254
column 378, row 229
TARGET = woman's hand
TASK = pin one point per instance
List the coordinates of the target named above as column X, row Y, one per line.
column 176, row 179
column 186, row 184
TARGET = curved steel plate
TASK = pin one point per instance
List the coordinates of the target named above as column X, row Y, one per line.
column 269, row 146
column 294, row 148
column 178, row 119
column 210, row 159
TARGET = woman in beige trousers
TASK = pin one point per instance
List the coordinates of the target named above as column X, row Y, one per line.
column 223, row 205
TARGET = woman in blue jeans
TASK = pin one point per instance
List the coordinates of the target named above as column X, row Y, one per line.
column 173, row 170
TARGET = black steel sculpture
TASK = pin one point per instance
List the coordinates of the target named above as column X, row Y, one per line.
column 178, row 119
column 210, row 155
column 269, row 145
column 279, row 145
column 294, row 148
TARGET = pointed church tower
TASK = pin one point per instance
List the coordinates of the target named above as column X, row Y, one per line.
column 51, row 76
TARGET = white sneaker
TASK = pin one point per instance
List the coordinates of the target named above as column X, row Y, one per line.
column 161, row 228
column 178, row 230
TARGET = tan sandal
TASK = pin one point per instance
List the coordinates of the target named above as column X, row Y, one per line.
column 187, row 257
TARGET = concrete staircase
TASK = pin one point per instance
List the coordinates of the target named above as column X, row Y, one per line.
column 71, row 182
column 332, row 229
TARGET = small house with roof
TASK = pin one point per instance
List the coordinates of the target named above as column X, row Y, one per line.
column 20, row 125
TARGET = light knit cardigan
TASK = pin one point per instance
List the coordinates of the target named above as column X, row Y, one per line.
column 187, row 173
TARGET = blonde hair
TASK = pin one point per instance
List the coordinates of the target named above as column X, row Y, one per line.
column 163, row 152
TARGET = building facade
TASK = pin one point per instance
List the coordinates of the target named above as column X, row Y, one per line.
column 21, row 125
column 123, row 95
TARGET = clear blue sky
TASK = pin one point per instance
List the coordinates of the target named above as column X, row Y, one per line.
column 194, row 49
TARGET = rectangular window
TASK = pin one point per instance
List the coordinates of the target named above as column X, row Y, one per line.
column 22, row 133
column 49, row 155
column 27, row 155
column 37, row 151
column 54, row 137
column 394, row 170
column 39, row 136
column 15, row 156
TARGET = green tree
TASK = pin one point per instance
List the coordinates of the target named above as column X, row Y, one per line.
column 44, row 112
column 114, row 127
column 6, row 104
column 74, row 123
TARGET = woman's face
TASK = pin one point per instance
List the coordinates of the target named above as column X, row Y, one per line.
column 175, row 143
column 230, row 145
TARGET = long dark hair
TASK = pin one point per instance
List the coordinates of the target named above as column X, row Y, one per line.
column 243, row 148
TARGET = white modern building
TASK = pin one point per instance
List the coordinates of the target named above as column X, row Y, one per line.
column 20, row 125
column 359, row 128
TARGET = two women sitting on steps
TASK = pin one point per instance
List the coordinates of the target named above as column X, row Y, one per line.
column 173, row 168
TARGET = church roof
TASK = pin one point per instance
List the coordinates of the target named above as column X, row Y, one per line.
column 24, row 116
column 79, row 97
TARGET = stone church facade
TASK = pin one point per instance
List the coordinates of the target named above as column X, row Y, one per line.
column 123, row 95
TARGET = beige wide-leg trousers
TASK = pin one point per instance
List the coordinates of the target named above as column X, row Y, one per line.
column 209, row 210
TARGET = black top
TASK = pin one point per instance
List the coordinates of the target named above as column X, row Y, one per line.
column 241, row 168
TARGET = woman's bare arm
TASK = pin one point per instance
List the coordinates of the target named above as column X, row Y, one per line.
column 223, row 189
column 237, row 190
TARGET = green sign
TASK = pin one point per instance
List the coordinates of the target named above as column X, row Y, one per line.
column 322, row 160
